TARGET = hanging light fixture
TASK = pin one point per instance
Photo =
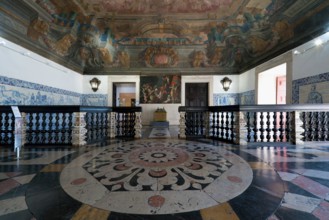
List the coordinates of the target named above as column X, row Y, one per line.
column 94, row 84
column 226, row 82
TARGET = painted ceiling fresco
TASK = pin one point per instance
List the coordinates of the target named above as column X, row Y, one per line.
column 185, row 36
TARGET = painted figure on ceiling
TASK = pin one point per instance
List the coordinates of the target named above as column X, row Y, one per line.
column 199, row 59
column 37, row 28
column 62, row 46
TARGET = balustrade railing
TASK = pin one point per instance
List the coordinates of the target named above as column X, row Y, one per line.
column 7, row 126
column 69, row 125
column 126, row 121
column 258, row 123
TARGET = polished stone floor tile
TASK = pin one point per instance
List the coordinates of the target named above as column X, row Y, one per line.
column 166, row 179
column 7, row 185
column 8, row 206
column 299, row 202
column 284, row 213
column 311, row 186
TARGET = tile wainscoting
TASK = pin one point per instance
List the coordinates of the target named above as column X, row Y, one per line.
column 244, row 98
column 20, row 92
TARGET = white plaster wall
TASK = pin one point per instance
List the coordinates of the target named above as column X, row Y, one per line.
column 247, row 81
column 103, row 87
column 267, row 84
column 313, row 60
column 218, row 87
column 20, row 63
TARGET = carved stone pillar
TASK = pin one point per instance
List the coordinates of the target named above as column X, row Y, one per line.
column 297, row 129
column 138, row 125
column 79, row 130
column 112, row 124
column 182, row 125
column 239, row 129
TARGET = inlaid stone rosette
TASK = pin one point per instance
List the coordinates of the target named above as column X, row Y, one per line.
column 156, row 177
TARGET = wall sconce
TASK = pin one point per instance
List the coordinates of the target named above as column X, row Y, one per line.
column 226, row 82
column 94, row 84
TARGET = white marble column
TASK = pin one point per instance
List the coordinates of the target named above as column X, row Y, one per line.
column 297, row 129
column 79, row 130
column 138, row 125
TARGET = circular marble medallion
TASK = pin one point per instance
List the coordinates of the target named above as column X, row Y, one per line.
column 156, row 177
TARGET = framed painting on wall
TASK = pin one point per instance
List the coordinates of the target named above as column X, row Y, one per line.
column 160, row 89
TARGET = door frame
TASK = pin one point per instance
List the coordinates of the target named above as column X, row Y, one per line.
column 198, row 79
column 207, row 99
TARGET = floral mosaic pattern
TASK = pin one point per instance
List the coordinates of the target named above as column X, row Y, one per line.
column 143, row 177
column 157, row 166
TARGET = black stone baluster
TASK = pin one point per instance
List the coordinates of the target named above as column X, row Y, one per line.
column 262, row 126
column 255, row 129
column 2, row 129
column 281, row 129
column 232, row 126
column 226, row 125
column 311, row 129
column 222, row 125
column 288, row 126
column 268, row 126
column 63, row 128
column 322, row 132
column 37, row 128
column 326, row 117
column 316, row 126
column 56, row 128
column 217, row 125
column 275, row 129
column 248, row 126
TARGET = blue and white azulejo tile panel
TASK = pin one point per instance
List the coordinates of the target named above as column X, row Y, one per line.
column 20, row 92
column 244, row 98
column 313, row 89
column 94, row 99
column 247, row 98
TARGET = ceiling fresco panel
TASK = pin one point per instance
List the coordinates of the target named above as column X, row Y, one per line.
column 162, row 36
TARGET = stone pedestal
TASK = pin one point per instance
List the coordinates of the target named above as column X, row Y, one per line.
column 79, row 130
column 112, row 125
column 182, row 125
column 239, row 129
column 138, row 125
column 297, row 129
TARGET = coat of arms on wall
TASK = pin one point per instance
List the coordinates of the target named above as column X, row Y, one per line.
column 160, row 89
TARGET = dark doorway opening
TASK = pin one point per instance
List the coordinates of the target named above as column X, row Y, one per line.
column 196, row 94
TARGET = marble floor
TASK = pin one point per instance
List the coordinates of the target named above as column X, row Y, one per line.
column 163, row 177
